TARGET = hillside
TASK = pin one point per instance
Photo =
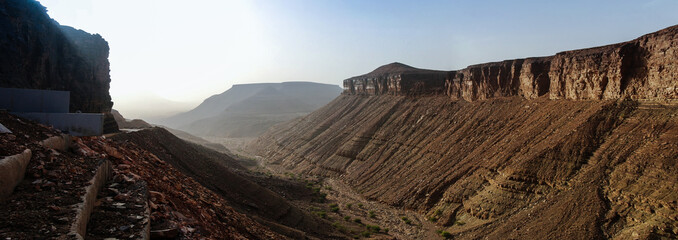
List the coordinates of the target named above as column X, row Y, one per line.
column 580, row 145
column 226, row 177
column 142, row 194
column 249, row 109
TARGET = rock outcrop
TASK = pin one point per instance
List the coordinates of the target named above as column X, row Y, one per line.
column 36, row 52
column 580, row 145
column 397, row 79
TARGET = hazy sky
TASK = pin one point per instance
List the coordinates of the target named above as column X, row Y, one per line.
column 185, row 51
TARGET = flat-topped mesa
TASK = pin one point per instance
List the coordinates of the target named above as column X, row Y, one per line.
column 644, row 68
column 397, row 79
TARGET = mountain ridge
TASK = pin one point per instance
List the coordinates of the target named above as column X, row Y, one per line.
column 253, row 108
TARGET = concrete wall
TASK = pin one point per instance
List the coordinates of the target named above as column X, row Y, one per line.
column 75, row 124
column 33, row 100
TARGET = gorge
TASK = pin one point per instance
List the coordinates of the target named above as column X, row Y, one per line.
column 580, row 145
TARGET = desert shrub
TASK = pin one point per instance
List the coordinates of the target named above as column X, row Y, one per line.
column 339, row 227
column 406, row 220
column 321, row 214
column 371, row 214
column 347, row 218
column 445, row 234
column 358, row 221
column 349, row 205
column 373, row 228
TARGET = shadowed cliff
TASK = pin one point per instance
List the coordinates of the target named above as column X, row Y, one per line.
column 36, row 52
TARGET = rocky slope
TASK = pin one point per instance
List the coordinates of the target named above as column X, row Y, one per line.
column 225, row 176
column 580, row 145
column 36, row 52
column 47, row 201
column 247, row 110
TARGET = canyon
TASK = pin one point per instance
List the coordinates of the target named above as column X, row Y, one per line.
column 580, row 145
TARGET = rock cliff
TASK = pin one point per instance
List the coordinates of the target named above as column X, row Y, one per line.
column 644, row 68
column 580, row 145
column 36, row 52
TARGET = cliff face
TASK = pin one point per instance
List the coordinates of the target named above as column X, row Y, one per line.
column 644, row 68
column 509, row 149
column 35, row 52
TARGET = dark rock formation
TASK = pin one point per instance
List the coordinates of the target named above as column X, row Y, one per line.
column 36, row 52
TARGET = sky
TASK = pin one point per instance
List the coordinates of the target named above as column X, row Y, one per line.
column 167, row 56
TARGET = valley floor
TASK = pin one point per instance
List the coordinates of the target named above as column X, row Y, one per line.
column 354, row 215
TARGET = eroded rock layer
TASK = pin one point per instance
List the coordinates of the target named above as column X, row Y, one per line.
column 580, row 145
column 644, row 68
column 488, row 163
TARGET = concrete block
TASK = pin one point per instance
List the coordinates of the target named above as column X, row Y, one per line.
column 12, row 171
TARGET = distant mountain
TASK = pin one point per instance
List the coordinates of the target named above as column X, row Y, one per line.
column 247, row 110
column 161, row 107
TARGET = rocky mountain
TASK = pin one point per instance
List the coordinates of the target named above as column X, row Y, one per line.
column 580, row 145
column 36, row 52
column 249, row 109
